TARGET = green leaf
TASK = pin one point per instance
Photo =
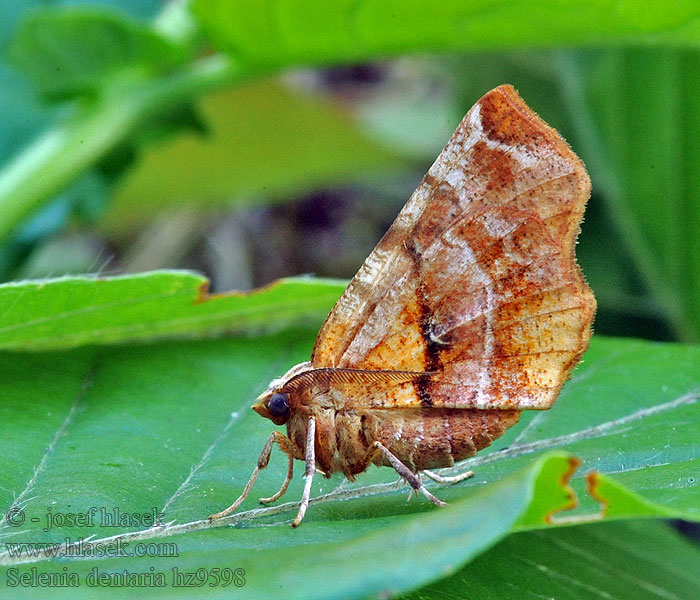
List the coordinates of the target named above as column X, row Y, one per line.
column 283, row 32
column 262, row 139
column 637, row 560
column 638, row 137
column 69, row 51
column 166, row 427
column 77, row 310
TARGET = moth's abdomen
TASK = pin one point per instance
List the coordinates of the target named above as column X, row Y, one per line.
column 420, row 438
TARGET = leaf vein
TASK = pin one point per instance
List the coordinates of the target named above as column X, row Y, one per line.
column 17, row 503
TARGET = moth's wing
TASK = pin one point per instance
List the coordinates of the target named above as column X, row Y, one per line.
column 476, row 279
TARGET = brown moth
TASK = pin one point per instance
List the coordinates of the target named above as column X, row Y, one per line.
column 469, row 310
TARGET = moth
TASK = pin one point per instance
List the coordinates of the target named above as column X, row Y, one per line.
column 469, row 310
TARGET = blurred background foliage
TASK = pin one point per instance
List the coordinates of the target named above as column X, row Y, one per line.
column 255, row 141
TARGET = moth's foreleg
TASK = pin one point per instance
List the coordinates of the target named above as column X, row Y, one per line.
column 287, row 447
column 293, row 452
column 309, row 472
column 412, row 479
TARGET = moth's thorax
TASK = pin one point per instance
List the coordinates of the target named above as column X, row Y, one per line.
column 277, row 384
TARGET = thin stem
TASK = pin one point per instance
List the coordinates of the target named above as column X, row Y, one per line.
column 60, row 154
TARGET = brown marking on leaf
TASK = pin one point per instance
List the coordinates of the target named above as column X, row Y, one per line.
column 203, row 294
column 574, row 463
column 593, row 482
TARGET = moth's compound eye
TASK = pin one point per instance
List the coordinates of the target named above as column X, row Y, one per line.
column 278, row 405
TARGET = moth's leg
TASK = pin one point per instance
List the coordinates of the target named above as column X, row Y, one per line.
column 400, row 482
column 287, row 446
column 448, row 479
column 293, row 452
column 412, row 490
column 285, row 483
column 412, row 479
column 309, row 471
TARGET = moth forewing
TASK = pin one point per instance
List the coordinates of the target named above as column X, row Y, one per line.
column 469, row 310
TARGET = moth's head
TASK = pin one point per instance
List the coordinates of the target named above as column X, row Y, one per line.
column 275, row 403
